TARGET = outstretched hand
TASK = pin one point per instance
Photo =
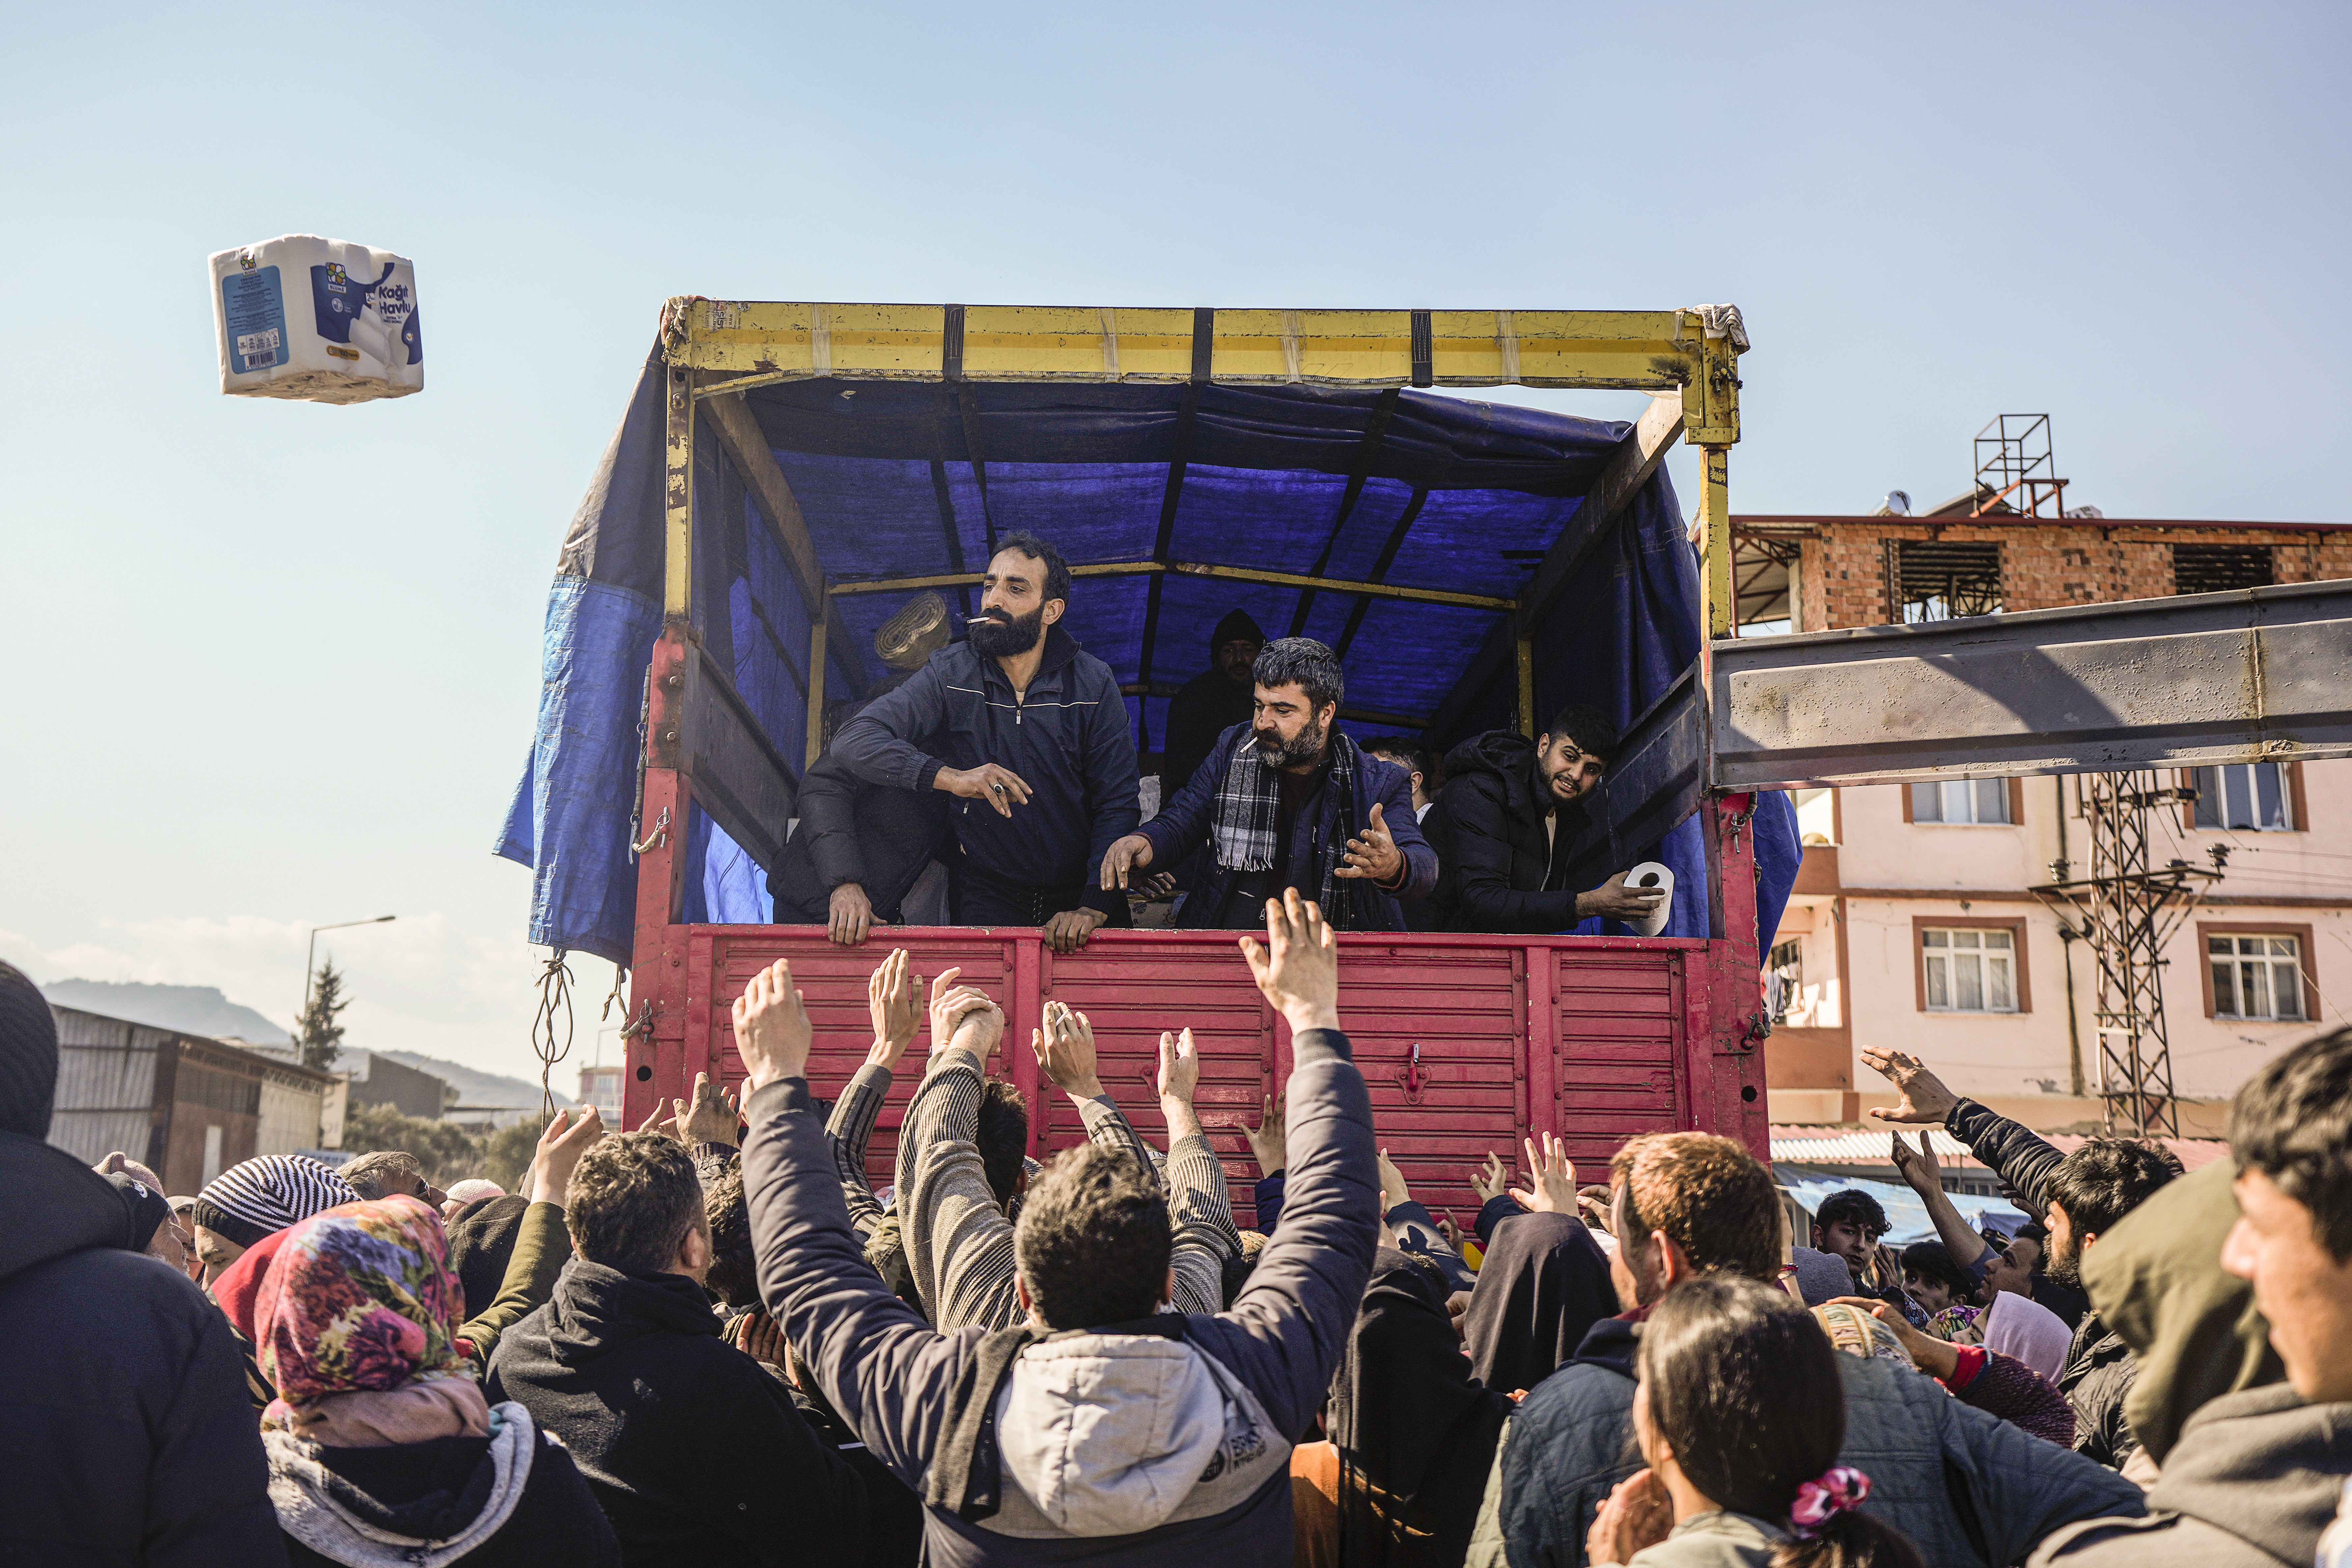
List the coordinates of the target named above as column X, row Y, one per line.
column 1372, row 854
column 1064, row 1049
column 1923, row 1098
column 962, row 1016
column 1268, row 1142
column 773, row 1032
column 709, row 1118
column 1180, row 1067
column 1916, row 1166
column 1554, row 1179
column 1298, row 967
column 1393, row 1188
column 561, row 1144
column 890, row 1001
column 1491, row 1180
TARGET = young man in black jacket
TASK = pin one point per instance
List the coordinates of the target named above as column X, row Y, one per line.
column 695, row 1454
column 1509, row 803
column 125, row 1433
column 1030, row 734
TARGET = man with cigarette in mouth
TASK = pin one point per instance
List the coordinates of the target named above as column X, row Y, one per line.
column 1029, row 731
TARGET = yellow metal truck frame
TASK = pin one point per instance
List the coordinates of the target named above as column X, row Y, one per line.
column 716, row 349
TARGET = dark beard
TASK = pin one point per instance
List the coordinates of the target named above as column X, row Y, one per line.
column 992, row 638
column 2066, row 1271
column 1276, row 752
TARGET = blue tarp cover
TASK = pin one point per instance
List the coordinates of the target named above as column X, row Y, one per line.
column 899, row 480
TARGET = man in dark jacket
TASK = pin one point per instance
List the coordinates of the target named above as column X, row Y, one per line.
column 2083, row 1194
column 1211, row 703
column 695, row 1454
column 858, row 850
column 1289, row 800
column 125, row 1433
column 1969, row 1490
column 1104, row 1429
column 1031, row 735
column 2256, row 1475
column 1509, row 806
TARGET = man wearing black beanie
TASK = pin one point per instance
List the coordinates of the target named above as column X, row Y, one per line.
column 124, row 1429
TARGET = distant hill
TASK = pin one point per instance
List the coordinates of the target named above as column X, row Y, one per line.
column 189, row 1009
column 475, row 1087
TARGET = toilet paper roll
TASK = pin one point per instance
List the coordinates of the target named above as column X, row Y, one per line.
column 322, row 319
column 1650, row 874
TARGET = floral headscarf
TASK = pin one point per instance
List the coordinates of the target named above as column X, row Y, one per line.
column 358, row 1297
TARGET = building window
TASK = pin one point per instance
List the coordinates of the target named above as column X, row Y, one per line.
column 1784, row 976
column 1979, row 801
column 2213, row 568
column 2256, row 976
column 1970, row 971
column 2255, row 795
column 1935, row 580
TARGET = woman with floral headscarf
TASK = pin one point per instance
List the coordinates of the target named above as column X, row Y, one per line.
column 381, row 1450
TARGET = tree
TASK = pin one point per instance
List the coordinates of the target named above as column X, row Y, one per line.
column 445, row 1152
column 316, row 1034
column 507, row 1153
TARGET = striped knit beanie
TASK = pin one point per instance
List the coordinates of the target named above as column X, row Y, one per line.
column 29, row 1056
column 263, row 1195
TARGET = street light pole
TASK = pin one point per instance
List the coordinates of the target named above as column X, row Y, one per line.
column 310, row 962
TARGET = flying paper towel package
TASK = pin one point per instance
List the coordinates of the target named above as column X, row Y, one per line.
column 322, row 319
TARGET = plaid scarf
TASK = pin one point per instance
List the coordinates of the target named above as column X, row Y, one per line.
column 1246, row 838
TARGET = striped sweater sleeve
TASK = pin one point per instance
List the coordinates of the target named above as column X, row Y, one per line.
column 1202, row 1216
column 1107, row 1125
column 958, row 1244
column 847, row 1133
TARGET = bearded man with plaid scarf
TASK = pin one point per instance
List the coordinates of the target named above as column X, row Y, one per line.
column 1289, row 800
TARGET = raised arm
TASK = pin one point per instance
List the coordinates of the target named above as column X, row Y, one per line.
column 543, row 1244
column 2020, row 1158
column 882, row 1367
column 1918, row 1168
column 1289, row 1326
column 958, row 1244
column 1197, row 1204
column 1416, row 1233
column 890, row 999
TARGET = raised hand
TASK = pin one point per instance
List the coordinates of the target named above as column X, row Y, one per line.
column 1491, row 1180
column 1268, row 1140
column 1554, row 1179
column 1373, row 854
column 1393, row 1188
column 1179, row 1065
column 1923, row 1100
column 773, row 1032
column 1065, row 1047
column 655, row 1121
column 1916, row 1166
column 561, row 1144
column 1298, row 968
column 953, row 1006
column 710, row 1118
column 890, row 999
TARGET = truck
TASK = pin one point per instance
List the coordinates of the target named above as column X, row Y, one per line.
column 787, row 476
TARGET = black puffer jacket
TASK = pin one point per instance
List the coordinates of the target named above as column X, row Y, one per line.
column 125, row 1434
column 1494, row 857
column 852, row 832
column 695, row 1454
column 2099, row 1368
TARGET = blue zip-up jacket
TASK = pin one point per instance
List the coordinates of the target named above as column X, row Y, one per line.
column 1183, row 824
column 1067, row 736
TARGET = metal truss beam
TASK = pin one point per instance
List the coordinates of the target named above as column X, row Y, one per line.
column 2181, row 682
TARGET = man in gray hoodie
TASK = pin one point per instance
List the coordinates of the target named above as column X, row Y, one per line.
column 1105, row 1429
column 2256, row 1476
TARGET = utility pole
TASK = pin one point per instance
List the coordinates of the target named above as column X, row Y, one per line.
column 2124, row 912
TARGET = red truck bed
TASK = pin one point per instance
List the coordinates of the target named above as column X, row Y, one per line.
column 1469, row 1042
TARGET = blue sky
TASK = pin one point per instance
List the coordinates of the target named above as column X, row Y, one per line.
column 276, row 664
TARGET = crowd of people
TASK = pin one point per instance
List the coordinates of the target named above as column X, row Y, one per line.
column 712, row 1340
column 1006, row 759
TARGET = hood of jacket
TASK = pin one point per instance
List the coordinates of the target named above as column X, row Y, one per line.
column 1105, row 1435
column 2156, row 1280
column 62, row 1206
column 597, row 1310
column 343, row 1523
column 1504, row 754
column 1614, row 1342
column 2261, row 1465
